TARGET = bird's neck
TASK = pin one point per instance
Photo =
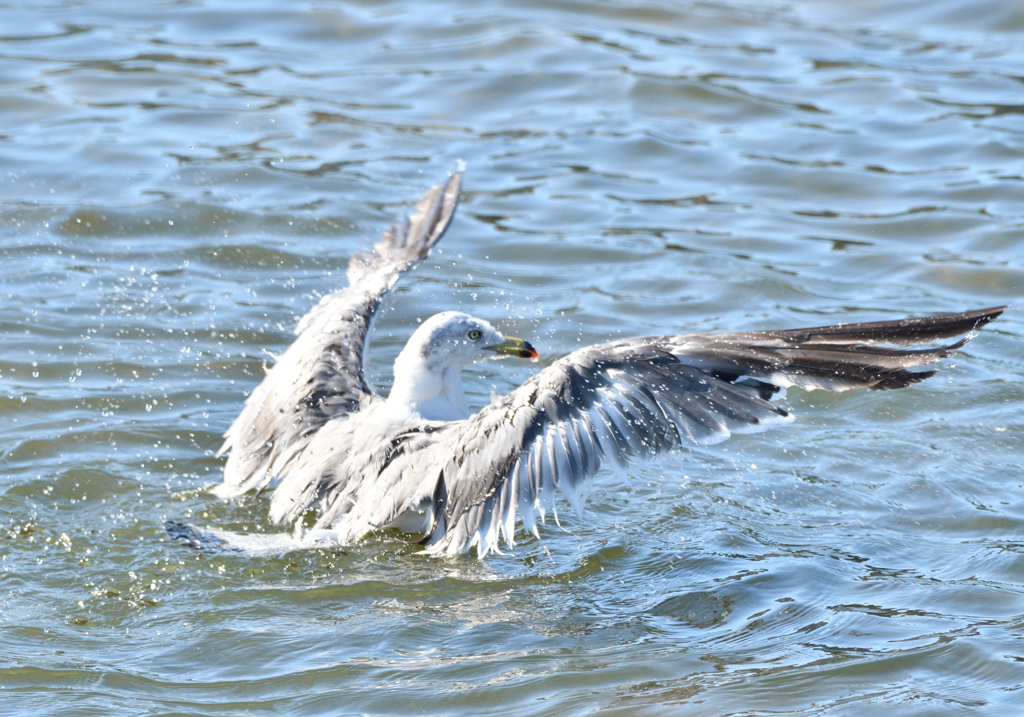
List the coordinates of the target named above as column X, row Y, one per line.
column 433, row 391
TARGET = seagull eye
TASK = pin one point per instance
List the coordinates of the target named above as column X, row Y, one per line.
column 474, row 334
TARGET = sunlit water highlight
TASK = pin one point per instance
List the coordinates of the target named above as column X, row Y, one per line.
column 180, row 181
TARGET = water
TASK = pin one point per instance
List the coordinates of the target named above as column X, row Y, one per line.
column 181, row 180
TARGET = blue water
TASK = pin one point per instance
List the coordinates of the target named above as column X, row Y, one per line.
column 179, row 181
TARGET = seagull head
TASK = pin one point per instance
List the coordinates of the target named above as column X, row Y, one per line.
column 428, row 368
column 457, row 339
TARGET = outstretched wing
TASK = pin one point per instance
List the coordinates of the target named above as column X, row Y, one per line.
column 321, row 375
column 642, row 396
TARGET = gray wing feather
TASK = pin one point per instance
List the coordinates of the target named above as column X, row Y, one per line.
column 602, row 404
column 321, row 375
column 638, row 397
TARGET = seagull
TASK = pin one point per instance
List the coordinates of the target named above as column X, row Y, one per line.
column 421, row 462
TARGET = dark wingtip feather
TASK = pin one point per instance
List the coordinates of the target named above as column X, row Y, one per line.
column 986, row 315
column 944, row 351
column 901, row 379
column 902, row 332
column 975, row 319
column 981, row 317
column 933, row 328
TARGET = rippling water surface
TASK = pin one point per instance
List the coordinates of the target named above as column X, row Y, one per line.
column 180, row 180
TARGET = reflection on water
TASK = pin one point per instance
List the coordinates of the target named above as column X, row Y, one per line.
column 180, row 181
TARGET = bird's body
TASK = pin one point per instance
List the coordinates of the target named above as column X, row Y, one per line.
column 419, row 460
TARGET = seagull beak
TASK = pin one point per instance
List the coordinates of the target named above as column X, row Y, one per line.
column 512, row 346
